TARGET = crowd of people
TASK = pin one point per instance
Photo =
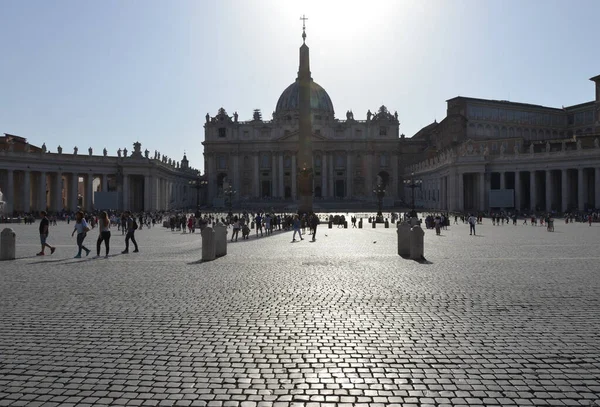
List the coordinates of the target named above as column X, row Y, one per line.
column 259, row 223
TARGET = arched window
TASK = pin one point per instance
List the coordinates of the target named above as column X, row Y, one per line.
column 265, row 161
column 383, row 160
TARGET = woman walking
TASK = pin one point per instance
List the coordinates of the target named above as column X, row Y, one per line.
column 81, row 227
column 104, row 236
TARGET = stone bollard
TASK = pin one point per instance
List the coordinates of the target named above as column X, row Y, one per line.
column 374, row 224
column 330, row 224
column 208, row 244
column 387, row 224
column 8, row 244
column 360, row 223
column 417, row 245
column 345, row 224
column 220, row 239
column 403, row 232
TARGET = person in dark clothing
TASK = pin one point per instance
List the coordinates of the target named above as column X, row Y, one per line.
column 131, row 227
column 44, row 224
column 314, row 222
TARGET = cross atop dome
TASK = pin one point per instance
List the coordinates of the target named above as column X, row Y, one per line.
column 303, row 18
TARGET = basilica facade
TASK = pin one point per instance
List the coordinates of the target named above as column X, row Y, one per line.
column 257, row 159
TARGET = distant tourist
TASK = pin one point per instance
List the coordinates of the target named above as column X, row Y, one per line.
column 296, row 227
column 314, row 222
column 104, row 235
column 472, row 221
column 259, row 224
column 131, row 225
column 81, row 227
column 44, row 224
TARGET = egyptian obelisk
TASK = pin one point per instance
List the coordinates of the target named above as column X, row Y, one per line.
column 305, row 170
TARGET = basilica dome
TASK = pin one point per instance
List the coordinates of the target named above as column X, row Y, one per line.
column 319, row 99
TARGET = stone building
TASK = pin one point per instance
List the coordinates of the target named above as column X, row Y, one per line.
column 256, row 160
column 489, row 154
column 33, row 179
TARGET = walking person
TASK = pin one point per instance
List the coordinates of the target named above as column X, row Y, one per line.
column 104, row 235
column 44, row 226
column 131, row 227
column 236, row 228
column 81, row 227
column 472, row 221
column 296, row 227
column 314, row 222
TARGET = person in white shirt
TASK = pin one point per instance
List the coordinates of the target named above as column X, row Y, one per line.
column 81, row 227
column 472, row 222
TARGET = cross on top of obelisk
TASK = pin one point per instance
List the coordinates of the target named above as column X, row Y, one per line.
column 303, row 18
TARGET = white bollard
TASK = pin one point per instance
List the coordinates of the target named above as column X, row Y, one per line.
column 208, row 244
column 220, row 239
column 8, row 244
column 403, row 232
column 417, row 244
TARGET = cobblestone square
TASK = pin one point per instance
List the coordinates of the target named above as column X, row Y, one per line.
column 508, row 317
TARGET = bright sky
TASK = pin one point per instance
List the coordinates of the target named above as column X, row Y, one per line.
column 108, row 73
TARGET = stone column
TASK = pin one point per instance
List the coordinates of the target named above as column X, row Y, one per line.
column 89, row 192
column 156, row 194
column 104, row 183
column 518, row 190
column 369, row 176
column 349, row 178
column 394, row 180
column 236, row 177
column 461, row 191
column 532, row 190
column 580, row 190
column 280, row 174
column 564, row 189
column 548, row 190
column 27, row 191
column 147, row 193
column 324, row 189
column 57, row 192
column 125, row 192
column 274, row 189
column 256, row 177
column 502, row 180
column 72, row 202
column 294, row 169
column 482, row 191
column 43, row 187
column 9, row 194
column 330, row 181
column 596, row 187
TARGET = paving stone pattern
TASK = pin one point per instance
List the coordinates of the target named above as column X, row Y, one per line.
column 508, row 317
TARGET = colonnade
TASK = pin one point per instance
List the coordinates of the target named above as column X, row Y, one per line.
column 29, row 190
column 557, row 189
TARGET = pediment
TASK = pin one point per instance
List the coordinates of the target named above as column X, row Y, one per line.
column 294, row 136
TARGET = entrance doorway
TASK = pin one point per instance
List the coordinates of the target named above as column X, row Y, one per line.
column 266, row 189
column 317, row 192
column 340, row 188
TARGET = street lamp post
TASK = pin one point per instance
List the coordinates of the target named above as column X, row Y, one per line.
column 198, row 183
column 412, row 184
column 379, row 191
column 230, row 192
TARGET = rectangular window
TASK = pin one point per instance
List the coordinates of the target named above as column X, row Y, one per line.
column 383, row 131
column 222, row 132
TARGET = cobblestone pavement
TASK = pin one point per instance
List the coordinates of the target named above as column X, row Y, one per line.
column 508, row 317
